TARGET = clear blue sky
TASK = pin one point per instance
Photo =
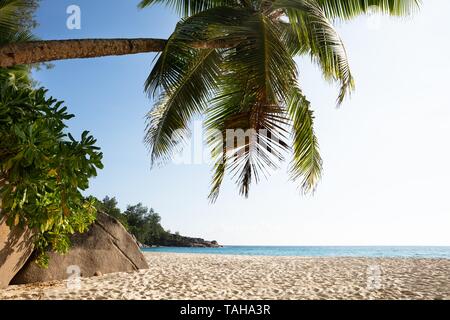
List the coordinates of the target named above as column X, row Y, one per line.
column 386, row 151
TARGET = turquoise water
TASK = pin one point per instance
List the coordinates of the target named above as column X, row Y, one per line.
column 392, row 252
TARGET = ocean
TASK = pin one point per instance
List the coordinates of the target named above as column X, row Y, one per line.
column 312, row 251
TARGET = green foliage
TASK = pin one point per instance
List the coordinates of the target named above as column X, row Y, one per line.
column 141, row 222
column 245, row 77
column 144, row 224
column 109, row 206
column 304, row 142
column 43, row 169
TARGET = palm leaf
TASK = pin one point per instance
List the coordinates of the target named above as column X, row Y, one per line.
column 260, row 74
column 9, row 16
column 184, row 78
column 326, row 47
column 179, row 104
column 189, row 7
column 251, row 82
column 349, row 9
column 307, row 163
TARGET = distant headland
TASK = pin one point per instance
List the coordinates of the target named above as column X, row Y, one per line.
column 176, row 240
column 145, row 226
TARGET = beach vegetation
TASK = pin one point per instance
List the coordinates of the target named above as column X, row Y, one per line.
column 43, row 168
column 143, row 223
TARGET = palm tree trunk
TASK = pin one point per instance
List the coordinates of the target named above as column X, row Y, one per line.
column 50, row 50
column 42, row 51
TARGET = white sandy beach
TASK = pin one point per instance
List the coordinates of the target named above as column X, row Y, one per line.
column 192, row 276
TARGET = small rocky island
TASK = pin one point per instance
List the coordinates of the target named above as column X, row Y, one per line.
column 176, row 240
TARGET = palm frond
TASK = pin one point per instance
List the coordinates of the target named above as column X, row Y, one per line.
column 348, row 9
column 178, row 104
column 260, row 73
column 184, row 77
column 186, row 8
column 9, row 16
column 307, row 163
column 211, row 25
column 326, row 47
column 251, row 82
column 16, row 36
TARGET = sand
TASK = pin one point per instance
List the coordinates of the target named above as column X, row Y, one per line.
column 191, row 276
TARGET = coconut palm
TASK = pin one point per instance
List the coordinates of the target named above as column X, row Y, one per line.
column 245, row 78
column 233, row 62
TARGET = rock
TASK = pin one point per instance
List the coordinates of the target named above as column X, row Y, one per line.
column 98, row 274
column 140, row 245
column 215, row 244
column 16, row 246
column 106, row 248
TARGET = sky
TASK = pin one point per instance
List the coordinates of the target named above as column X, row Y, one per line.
column 386, row 150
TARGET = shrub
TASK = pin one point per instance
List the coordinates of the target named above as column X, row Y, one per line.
column 43, row 169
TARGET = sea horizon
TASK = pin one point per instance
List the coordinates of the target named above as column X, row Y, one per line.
column 435, row 252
